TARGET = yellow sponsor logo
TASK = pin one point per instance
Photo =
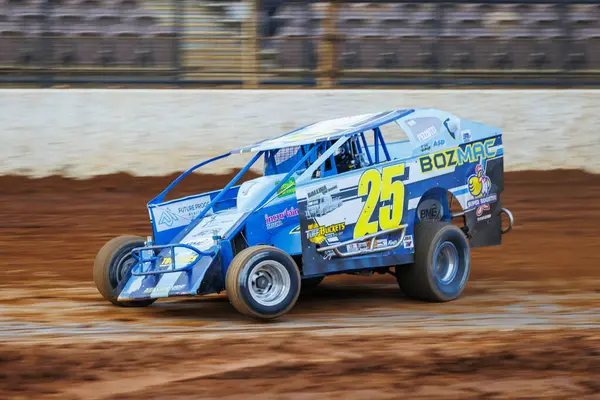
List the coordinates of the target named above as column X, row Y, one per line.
column 317, row 234
column 180, row 260
column 472, row 152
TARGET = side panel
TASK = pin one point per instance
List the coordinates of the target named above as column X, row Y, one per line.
column 170, row 217
column 349, row 206
column 276, row 225
column 474, row 174
column 353, row 204
column 484, row 218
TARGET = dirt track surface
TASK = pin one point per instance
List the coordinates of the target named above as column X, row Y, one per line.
column 527, row 327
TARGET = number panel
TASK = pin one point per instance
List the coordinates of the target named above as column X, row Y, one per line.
column 390, row 216
column 379, row 188
column 369, row 185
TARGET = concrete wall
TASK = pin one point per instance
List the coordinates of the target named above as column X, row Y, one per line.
column 81, row 133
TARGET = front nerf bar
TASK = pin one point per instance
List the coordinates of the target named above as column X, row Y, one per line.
column 147, row 256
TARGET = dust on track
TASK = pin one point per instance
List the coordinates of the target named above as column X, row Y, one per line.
column 526, row 326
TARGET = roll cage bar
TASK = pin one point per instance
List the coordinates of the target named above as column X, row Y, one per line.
column 307, row 151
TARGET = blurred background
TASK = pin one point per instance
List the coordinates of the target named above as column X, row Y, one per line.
column 258, row 43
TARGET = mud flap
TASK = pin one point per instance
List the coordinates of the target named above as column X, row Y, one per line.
column 203, row 278
column 484, row 222
column 485, row 229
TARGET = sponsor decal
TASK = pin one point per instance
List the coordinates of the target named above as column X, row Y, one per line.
column 192, row 209
column 167, row 217
column 178, row 214
column 380, row 243
column 163, row 289
column 430, row 210
column 184, row 259
column 276, row 220
column 295, row 231
column 407, row 242
column 427, row 134
column 288, row 188
column 439, row 143
column 479, row 185
column 321, row 191
column 425, row 148
column 318, row 234
column 472, row 152
column 355, row 247
column 321, row 201
column 466, row 135
column 484, row 217
column 492, row 198
column 480, row 210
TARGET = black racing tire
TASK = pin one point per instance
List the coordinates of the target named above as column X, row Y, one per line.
column 106, row 276
column 310, row 284
column 442, row 263
column 263, row 282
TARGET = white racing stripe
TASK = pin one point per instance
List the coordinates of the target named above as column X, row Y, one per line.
column 165, row 284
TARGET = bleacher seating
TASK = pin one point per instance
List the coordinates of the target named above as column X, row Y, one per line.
column 408, row 36
column 83, row 32
column 470, row 36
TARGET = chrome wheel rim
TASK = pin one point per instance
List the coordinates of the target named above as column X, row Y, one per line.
column 446, row 262
column 269, row 283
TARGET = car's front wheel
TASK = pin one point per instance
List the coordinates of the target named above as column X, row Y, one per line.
column 113, row 264
column 263, row 282
column 442, row 263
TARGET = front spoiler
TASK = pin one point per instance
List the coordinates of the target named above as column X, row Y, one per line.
column 147, row 281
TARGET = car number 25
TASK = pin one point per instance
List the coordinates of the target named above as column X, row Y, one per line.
column 382, row 190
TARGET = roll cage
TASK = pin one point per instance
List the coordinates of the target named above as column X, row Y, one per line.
column 311, row 161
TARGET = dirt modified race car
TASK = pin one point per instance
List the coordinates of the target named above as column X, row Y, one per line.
column 334, row 198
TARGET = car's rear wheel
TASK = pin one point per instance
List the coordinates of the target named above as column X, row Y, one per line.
column 442, row 263
column 113, row 264
column 263, row 282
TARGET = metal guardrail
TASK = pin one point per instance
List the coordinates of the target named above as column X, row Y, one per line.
column 252, row 43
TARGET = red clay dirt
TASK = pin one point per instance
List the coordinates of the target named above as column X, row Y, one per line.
column 527, row 326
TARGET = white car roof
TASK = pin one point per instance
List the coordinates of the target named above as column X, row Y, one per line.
column 326, row 130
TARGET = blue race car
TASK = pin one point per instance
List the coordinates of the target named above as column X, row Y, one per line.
column 334, row 198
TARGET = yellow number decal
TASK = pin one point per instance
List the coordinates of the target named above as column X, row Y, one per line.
column 363, row 226
column 381, row 188
column 390, row 216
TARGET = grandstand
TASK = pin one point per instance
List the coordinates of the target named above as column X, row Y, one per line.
column 196, row 40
